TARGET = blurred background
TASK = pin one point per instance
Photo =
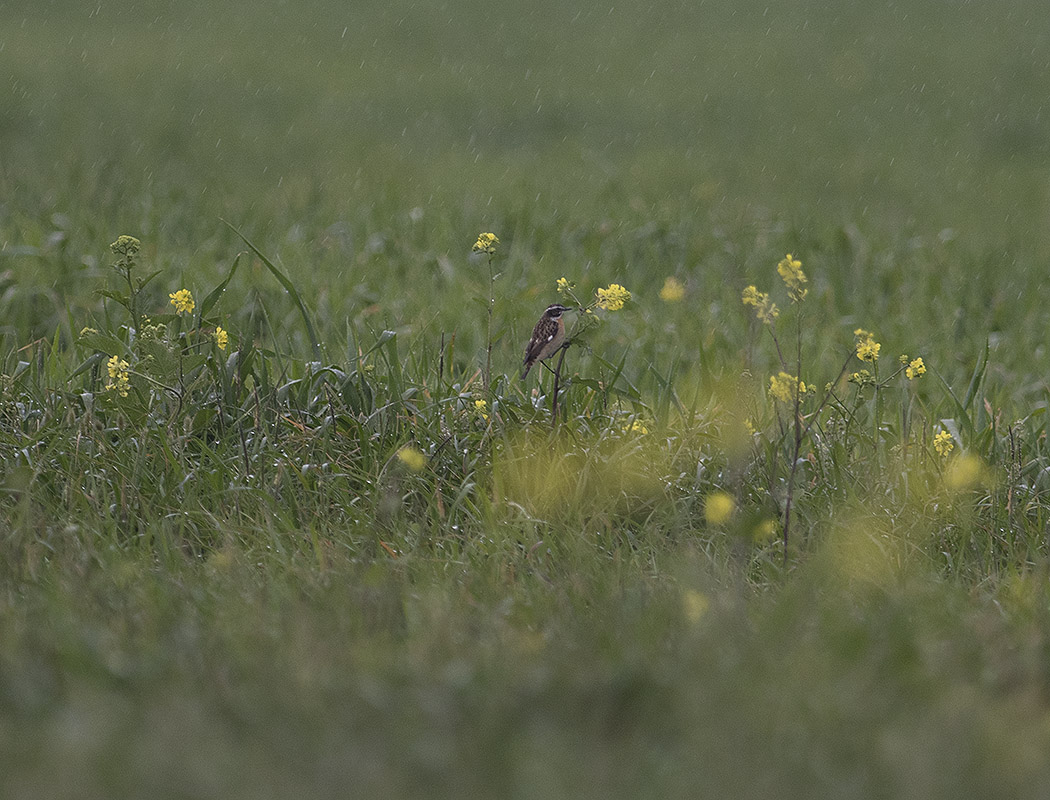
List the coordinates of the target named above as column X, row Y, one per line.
column 899, row 148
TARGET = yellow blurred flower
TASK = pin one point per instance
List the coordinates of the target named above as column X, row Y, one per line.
column 765, row 309
column 412, row 458
column 964, row 472
column 486, row 243
column 790, row 269
column 718, row 508
column 636, row 426
column 183, row 301
column 764, row 531
column 694, row 605
column 673, row 291
column 564, row 286
column 481, row 407
column 915, row 369
column 783, row 387
column 222, row 338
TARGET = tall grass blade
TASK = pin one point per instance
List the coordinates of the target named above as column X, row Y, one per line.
column 289, row 287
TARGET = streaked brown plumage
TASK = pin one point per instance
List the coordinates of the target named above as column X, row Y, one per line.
column 547, row 337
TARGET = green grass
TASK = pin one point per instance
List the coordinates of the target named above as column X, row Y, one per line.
column 229, row 584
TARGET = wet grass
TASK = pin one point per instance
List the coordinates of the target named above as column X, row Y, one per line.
column 313, row 562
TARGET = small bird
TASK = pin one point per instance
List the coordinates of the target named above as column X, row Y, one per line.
column 547, row 337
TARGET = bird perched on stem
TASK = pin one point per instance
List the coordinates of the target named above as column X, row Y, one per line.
column 547, row 337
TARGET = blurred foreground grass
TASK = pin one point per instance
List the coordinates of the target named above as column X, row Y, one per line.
column 228, row 583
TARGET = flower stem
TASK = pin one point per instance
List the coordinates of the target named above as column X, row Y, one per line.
column 488, row 333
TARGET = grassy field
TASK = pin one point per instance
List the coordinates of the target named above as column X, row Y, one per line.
column 314, row 535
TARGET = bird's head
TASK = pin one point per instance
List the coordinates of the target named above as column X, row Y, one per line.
column 555, row 311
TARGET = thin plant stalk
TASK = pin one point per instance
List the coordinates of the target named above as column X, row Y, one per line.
column 488, row 332
column 557, row 386
column 801, row 432
column 797, row 428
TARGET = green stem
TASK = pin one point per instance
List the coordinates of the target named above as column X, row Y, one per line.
column 878, row 407
column 488, row 334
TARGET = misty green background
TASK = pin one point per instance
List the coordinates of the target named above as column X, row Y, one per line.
column 366, row 144
column 898, row 148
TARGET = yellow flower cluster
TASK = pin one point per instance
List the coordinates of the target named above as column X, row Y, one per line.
column 867, row 348
column 183, row 301
column 222, row 338
column 481, row 407
column 613, row 298
column 564, row 286
column 943, row 443
column 783, row 387
column 718, row 508
column 965, row 471
column 636, row 426
column 118, row 376
column 915, row 369
column 486, row 243
column 673, row 291
column 694, row 605
column 764, row 531
column 765, row 309
column 412, row 458
column 790, row 269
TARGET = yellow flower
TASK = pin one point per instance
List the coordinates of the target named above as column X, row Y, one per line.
column 118, row 376
column 636, row 426
column 183, row 301
column 790, row 269
column 222, row 338
column 486, row 243
column 764, row 531
column 412, row 458
column 943, row 443
column 915, row 369
column 613, row 298
column 482, row 408
column 673, row 291
column 765, row 310
column 718, row 508
column 564, row 287
column 783, row 387
column 867, row 347
column 964, row 472
column 694, row 605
